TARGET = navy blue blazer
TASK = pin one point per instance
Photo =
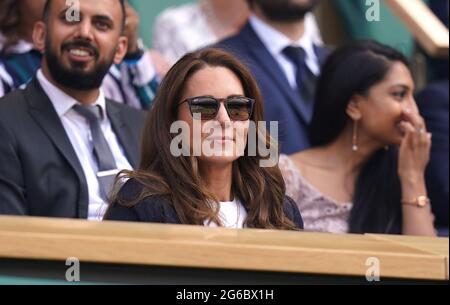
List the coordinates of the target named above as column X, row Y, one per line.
column 160, row 210
column 433, row 104
column 281, row 102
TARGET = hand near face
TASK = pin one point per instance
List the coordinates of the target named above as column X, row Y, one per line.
column 415, row 146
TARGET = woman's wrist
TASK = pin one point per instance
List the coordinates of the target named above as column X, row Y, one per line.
column 412, row 178
column 413, row 187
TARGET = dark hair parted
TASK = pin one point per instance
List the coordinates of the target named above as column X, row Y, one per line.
column 351, row 70
column 261, row 190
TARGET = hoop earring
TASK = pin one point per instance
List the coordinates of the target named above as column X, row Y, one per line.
column 355, row 136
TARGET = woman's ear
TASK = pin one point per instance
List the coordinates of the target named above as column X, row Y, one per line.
column 353, row 108
column 40, row 35
column 121, row 51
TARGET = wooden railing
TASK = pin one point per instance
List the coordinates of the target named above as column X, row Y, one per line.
column 429, row 31
column 199, row 247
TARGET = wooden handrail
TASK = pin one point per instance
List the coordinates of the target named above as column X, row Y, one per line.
column 220, row 248
column 429, row 31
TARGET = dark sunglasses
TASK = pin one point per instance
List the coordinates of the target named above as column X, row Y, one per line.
column 239, row 108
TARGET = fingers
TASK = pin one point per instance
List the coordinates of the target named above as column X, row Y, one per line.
column 415, row 138
column 409, row 139
column 416, row 120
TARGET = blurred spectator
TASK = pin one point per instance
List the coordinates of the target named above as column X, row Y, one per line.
column 438, row 67
column 433, row 104
column 133, row 82
column 192, row 26
column 285, row 61
column 365, row 172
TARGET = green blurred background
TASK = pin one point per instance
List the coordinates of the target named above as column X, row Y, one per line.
column 352, row 13
column 148, row 10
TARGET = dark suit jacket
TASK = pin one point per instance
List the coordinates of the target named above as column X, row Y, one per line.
column 160, row 210
column 281, row 102
column 40, row 174
column 433, row 104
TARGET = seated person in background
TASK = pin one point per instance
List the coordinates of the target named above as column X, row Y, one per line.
column 365, row 172
column 133, row 81
column 192, row 26
column 433, row 105
column 204, row 90
column 61, row 140
column 285, row 61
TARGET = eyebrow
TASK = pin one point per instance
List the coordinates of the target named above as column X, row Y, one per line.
column 402, row 86
column 97, row 17
column 103, row 18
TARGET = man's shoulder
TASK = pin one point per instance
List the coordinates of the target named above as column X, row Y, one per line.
column 128, row 111
column 12, row 104
column 241, row 41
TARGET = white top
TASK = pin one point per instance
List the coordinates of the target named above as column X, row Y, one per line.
column 78, row 131
column 276, row 42
column 232, row 214
column 182, row 29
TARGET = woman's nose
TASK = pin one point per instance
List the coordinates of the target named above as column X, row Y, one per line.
column 222, row 115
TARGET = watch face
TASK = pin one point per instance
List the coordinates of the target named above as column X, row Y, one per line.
column 422, row 201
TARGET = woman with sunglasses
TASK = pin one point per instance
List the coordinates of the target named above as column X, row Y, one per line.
column 226, row 188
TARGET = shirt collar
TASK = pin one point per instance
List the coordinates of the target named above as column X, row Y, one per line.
column 61, row 101
column 276, row 41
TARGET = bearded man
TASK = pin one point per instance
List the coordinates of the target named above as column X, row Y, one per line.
column 285, row 62
column 62, row 140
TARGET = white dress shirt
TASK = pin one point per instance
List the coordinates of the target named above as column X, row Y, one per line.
column 78, row 130
column 275, row 42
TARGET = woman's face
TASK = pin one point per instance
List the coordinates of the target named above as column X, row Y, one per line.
column 221, row 140
column 384, row 107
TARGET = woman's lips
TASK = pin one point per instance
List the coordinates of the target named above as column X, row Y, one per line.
column 220, row 139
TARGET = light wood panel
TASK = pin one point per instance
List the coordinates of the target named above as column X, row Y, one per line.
column 192, row 246
column 423, row 24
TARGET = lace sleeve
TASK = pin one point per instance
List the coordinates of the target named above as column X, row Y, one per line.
column 291, row 177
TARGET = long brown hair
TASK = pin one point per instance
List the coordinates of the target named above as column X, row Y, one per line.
column 261, row 190
column 9, row 22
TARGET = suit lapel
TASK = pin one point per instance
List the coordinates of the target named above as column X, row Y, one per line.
column 42, row 110
column 322, row 54
column 121, row 129
column 273, row 69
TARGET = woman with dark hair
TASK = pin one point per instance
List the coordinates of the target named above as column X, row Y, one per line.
column 365, row 170
column 209, row 88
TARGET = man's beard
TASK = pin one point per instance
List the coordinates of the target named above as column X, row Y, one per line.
column 74, row 77
column 285, row 10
